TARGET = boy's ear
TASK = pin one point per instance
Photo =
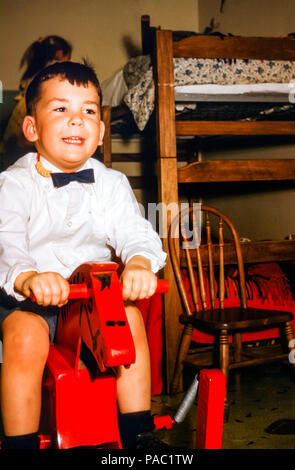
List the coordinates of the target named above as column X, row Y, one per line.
column 29, row 129
column 101, row 134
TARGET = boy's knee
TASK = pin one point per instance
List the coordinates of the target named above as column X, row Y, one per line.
column 25, row 340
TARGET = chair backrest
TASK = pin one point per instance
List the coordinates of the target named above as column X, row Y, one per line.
column 192, row 247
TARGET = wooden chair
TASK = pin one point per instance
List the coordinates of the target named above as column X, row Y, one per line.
column 204, row 300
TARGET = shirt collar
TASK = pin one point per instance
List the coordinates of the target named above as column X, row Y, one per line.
column 49, row 166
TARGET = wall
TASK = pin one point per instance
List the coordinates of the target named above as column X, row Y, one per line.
column 260, row 211
column 249, row 17
column 106, row 31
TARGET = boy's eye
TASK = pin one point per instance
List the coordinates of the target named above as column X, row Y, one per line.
column 60, row 109
column 89, row 111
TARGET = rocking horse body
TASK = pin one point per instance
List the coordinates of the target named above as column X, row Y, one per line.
column 79, row 406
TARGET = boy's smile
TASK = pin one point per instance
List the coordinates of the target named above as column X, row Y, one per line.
column 66, row 127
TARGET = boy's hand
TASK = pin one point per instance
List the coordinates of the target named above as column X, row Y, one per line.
column 48, row 288
column 139, row 282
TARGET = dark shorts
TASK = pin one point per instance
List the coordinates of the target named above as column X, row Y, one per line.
column 9, row 304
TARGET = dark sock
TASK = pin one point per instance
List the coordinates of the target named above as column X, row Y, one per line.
column 25, row 441
column 132, row 424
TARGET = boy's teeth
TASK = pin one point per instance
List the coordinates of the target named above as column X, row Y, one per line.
column 74, row 140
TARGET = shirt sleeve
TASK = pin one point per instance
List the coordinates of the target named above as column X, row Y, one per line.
column 129, row 232
column 14, row 246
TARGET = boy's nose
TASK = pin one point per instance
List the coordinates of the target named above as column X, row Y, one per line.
column 76, row 121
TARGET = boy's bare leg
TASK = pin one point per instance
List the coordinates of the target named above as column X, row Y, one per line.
column 134, row 384
column 25, row 351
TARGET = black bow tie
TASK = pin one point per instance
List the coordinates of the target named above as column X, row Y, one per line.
column 62, row 179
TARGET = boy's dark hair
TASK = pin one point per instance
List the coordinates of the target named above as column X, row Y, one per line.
column 74, row 72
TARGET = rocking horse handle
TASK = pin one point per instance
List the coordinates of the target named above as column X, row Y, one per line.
column 81, row 291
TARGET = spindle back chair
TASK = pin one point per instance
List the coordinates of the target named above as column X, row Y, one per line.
column 199, row 270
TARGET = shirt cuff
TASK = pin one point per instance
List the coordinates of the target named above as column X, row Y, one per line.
column 11, row 277
column 157, row 262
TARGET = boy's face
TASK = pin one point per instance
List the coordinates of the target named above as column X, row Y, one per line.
column 66, row 128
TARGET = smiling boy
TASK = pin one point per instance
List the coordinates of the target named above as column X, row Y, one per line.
column 65, row 124
column 59, row 209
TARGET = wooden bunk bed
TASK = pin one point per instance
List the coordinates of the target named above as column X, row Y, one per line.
column 159, row 43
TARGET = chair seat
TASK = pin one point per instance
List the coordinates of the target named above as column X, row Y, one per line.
column 236, row 318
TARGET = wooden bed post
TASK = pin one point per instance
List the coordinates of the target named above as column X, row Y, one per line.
column 147, row 35
column 167, row 186
column 107, row 140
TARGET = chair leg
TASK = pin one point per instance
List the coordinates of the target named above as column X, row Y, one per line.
column 237, row 344
column 290, row 337
column 185, row 342
column 224, row 366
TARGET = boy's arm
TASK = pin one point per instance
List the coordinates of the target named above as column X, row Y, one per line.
column 15, row 207
column 139, row 282
column 129, row 232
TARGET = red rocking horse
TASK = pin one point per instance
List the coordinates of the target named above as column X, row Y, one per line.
column 79, row 409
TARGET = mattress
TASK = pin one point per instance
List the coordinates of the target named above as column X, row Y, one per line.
column 206, row 80
column 258, row 92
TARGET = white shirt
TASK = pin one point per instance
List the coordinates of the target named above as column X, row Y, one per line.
column 43, row 228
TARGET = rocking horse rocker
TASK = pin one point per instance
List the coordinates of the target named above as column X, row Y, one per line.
column 79, row 404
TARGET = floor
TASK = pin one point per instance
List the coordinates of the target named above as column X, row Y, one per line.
column 265, row 396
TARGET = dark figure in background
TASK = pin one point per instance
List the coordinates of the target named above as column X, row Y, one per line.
column 38, row 55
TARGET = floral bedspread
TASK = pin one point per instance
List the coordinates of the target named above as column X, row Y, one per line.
column 138, row 76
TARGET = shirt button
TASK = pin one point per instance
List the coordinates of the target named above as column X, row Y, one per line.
column 69, row 224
